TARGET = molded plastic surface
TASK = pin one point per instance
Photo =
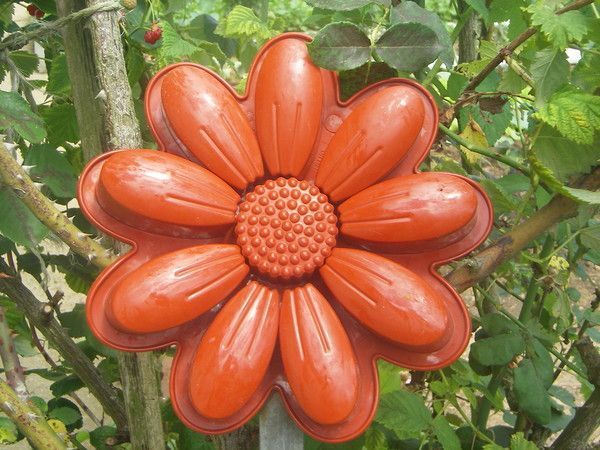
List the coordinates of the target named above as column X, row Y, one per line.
column 284, row 241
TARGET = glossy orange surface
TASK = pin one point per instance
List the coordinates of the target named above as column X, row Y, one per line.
column 286, row 228
column 210, row 123
column 413, row 211
column 317, row 356
column 366, row 147
column 245, row 232
column 169, row 194
column 174, row 288
column 389, row 299
column 235, row 352
column 288, row 120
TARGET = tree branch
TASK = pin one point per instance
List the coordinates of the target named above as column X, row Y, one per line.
column 516, row 43
column 19, row 181
column 37, row 313
column 483, row 264
column 29, row 420
column 15, row 41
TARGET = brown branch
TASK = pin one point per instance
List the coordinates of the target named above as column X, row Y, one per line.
column 516, row 43
column 483, row 264
column 10, row 359
column 29, row 420
column 56, row 335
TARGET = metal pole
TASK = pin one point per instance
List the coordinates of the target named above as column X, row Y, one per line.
column 277, row 430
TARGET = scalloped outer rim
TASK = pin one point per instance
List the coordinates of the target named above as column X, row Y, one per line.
column 367, row 346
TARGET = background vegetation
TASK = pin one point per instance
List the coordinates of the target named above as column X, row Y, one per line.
column 516, row 82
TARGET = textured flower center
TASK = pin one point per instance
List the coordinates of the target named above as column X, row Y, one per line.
column 286, row 228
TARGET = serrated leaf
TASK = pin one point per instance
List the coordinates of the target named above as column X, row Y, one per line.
column 26, row 62
column 558, row 29
column 550, row 71
column 481, row 8
column 562, row 156
column 409, row 11
column 574, row 114
column 61, row 123
column 543, row 364
column 404, row 413
column 511, row 10
column 15, row 113
column 17, row 222
column 497, row 350
column 65, row 414
column 502, row 200
column 66, row 385
column 590, row 237
column 445, row 434
column 51, row 168
column 174, row 47
column 582, row 195
column 375, row 439
column 340, row 46
column 241, row 23
column 530, row 393
column 341, row 5
column 408, row 47
column 59, row 82
column 518, row 442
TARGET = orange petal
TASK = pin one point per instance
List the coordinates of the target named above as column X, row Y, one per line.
column 387, row 298
column 413, row 209
column 164, row 193
column 205, row 116
column 317, row 356
column 235, row 352
column 175, row 288
column 371, row 141
column 288, row 107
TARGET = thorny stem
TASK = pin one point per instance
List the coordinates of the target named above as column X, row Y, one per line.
column 10, row 359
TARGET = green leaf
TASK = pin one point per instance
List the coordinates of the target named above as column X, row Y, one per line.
column 15, row 113
column 340, row 46
column 502, row 200
column 409, row 47
column 51, row 167
column 582, row 195
column 574, row 114
column 174, row 47
column 496, row 323
column 404, row 413
column 59, row 82
column 66, row 385
column 375, row 439
column 8, row 431
column 542, row 363
column 550, row 71
column 531, row 395
column 518, row 442
column 99, row 436
column 135, row 64
column 18, row 223
column 445, row 434
column 66, row 415
column 590, row 237
column 241, row 23
column 562, row 156
column 344, row 5
column 558, row 29
column 511, row 10
column 352, row 81
column 61, row 123
column 26, row 62
column 497, row 350
column 411, row 12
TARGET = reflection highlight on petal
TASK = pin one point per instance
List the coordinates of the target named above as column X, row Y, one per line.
column 288, row 107
column 387, row 298
column 412, row 209
column 205, row 116
column 235, row 352
column 371, row 141
column 163, row 193
column 175, row 288
column 318, row 358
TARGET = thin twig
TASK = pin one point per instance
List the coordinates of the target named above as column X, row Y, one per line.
column 10, row 359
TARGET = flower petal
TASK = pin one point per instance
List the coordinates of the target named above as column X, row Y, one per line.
column 176, row 287
column 235, row 352
column 205, row 116
column 288, row 107
column 164, row 193
column 317, row 356
column 424, row 209
column 371, row 141
column 387, row 298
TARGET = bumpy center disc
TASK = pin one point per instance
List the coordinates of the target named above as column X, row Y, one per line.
column 286, row 228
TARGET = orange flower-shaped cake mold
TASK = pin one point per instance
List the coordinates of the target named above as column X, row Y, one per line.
column 282, row 240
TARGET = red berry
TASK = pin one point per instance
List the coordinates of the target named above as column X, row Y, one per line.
column 153, row 34
column 34, row 11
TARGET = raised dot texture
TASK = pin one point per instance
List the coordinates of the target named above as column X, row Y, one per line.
column 283, row 215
